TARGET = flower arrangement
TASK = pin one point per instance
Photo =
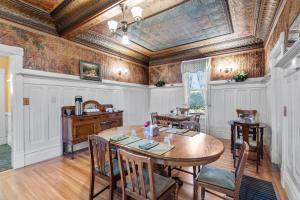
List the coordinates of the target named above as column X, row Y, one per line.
column 240, row 77
column 147, row 123
column 160, row 83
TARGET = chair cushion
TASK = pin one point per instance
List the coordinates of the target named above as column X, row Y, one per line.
column 161, row 184
column 216, row 176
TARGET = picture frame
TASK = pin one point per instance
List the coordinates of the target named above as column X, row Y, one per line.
column 90, row 71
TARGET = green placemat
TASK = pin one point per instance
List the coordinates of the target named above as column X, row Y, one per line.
column 160, row 149
column 129, row 140
column 177, row 131
column 191, row 133
column 122, row 141
column 161, row 129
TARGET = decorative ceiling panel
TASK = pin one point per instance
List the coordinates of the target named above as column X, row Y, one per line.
column 189, row 22
column 46, row 5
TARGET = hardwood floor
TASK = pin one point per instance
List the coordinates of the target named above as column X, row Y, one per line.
column 65, row 179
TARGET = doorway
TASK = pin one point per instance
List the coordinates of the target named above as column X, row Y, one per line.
column 5, row 114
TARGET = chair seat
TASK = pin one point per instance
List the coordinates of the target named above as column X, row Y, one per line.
column 216, row 176
column 161, row 184
column 239, row 141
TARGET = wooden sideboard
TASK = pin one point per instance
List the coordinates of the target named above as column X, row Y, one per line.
column 75, row 129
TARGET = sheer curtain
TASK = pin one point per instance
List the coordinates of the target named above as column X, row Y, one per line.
column 202, row 68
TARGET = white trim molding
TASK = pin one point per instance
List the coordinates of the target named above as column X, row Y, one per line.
column 15, row 55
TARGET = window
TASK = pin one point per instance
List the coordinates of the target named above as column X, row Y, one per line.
column 196, row 94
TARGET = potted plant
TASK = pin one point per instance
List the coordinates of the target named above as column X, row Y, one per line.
column 240, row 77
column 160, row 83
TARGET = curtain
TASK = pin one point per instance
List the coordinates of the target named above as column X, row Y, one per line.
column 199, row 66
column 202, row 68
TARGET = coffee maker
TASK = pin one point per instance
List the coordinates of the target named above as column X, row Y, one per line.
column 78, row 107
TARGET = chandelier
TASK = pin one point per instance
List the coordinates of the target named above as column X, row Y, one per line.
column 123, row 25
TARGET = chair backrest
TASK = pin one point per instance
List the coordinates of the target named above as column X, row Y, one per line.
column 139, row 175
column 245, row 127
column 183, row 110
column 153, row 117
column 191, row 125
column 250, row 113
column 239, row 171
column 162, row 121
column 197, row 118
column 101, row 157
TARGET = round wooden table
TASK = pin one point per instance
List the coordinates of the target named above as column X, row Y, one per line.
column 188, row 151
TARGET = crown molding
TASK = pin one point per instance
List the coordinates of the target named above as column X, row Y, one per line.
column 25, row 14
column 232, row 46
column 266, row 16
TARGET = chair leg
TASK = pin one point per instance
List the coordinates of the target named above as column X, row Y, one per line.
column 195, row 191
column 202, row 193
column 124, row 196
column 111, row 192
column 92, row 182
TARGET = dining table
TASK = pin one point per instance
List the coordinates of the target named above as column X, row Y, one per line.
column 262, row 127
column 173, row 118
column 185, row 150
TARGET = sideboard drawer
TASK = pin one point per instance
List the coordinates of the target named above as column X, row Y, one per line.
column 82, row 130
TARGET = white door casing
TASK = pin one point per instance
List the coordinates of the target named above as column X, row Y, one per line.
column 3, row 134
column 15, row 55
column 276, row 100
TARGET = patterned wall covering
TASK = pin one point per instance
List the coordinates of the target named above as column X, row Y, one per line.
column 52, row 54
column 170, row 73
column 290, row 11
column 251, row 62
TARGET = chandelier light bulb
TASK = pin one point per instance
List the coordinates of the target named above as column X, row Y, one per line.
column 125, row 39
column 137, row 13
column 112, row 25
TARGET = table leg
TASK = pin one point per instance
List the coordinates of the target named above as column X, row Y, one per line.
column 232, row 135
column 262, row 142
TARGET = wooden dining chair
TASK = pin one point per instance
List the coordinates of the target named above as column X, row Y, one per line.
column 163, row 121
column 141, row 183
column 102, row 165
column 183, row 110
column 191, row 125
column 244, row 113
column 247, row 113
column 220, row 180
column 197, row 118
column 153, row 117
column 255, row 145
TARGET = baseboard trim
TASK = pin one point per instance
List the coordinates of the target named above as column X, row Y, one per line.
column 292, row 192
column 43, row 154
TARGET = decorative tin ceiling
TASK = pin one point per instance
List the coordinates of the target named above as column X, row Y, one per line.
column 186, row 23
column 170, row 30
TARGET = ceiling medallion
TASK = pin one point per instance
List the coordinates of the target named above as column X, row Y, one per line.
column 123, row 25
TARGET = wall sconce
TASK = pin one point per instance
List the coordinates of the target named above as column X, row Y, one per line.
column 225, row 70
column 122, row 71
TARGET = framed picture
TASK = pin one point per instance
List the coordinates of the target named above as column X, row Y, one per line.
column 90, row 71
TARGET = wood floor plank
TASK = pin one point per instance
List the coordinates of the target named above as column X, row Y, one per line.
column 64, row 179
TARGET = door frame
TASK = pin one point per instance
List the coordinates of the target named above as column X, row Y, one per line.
column 15, row 55
column 2, row 106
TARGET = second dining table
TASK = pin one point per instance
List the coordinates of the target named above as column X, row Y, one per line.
column 200, row 149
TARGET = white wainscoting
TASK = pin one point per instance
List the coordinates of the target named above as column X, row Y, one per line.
column 42, row 118
column 163, row 100
column 227, row 97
